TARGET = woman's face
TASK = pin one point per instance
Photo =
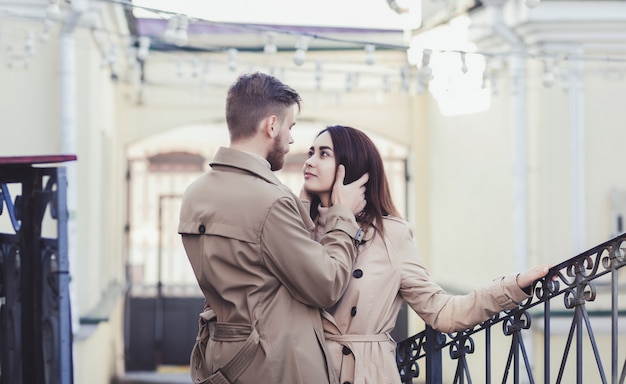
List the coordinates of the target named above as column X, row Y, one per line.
column 320, row 168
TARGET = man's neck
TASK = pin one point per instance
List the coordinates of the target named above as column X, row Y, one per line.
column 250, row 149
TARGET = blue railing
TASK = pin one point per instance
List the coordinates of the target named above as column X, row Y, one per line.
column 588, row 286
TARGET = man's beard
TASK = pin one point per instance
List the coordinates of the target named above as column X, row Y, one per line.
column 276, row 156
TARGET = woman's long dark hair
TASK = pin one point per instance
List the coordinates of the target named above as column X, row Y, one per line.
column 356, row 151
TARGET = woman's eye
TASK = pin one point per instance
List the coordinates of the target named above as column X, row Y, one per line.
column 309, row 154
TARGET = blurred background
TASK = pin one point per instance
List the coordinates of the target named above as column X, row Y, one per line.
column 501, row 123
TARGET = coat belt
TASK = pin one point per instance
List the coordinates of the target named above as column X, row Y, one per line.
column 348, row 340
column 230, row 371
column 356, row 338
column 229, row 331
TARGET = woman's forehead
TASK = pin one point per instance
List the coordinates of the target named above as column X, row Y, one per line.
column 323, row 140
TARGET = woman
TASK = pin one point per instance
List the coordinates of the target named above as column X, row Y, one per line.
column 388, row 269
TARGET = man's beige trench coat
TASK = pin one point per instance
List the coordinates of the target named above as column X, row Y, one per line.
column 387, row 272
column 248, row 239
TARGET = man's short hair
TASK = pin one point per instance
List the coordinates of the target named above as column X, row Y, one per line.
column 253, row 97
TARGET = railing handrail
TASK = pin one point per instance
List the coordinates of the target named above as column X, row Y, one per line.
column 573, row 279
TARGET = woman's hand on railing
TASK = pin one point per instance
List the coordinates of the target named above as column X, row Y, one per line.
column 526, row 279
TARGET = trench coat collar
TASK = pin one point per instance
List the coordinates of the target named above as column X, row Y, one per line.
column 230, row 157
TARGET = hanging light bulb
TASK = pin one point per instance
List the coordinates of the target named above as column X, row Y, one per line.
column 104, row 60
column 144, row 48
column 29, row 43
column 182, row 37
column 549, row 76
column 494, row 84
column 44, row 35
column 302, row 45
column 424, row 74
column 464, row 68
column 170, row 31
column 53, row 11
column 404, row 78
column 485, row 80
column 318, row 75
column 349, row 81
column 232, row 58
column 195, row 67
column 112, row 56
column 386, row 86
column 532, row 3
column 369, row 53
column 179, row 68
column 270, row 46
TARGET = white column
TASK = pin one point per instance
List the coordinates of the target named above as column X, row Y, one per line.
column 577, row 129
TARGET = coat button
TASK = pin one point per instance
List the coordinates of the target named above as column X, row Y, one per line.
column 346, row 350
column 353, row 311
column 201, row 228
column 358, row 273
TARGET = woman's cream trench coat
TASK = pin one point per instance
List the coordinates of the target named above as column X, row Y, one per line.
column 386, row 273
column 247, row 237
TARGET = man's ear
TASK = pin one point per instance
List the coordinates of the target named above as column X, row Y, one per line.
column 270, row 126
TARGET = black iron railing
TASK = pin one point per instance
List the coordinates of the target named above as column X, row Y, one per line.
column 35, row 325
column 588, row 286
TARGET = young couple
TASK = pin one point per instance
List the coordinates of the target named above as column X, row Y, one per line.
column 307, row 290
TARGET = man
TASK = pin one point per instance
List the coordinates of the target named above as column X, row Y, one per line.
column 247, row 237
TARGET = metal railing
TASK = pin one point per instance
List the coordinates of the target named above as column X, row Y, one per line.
column 35, row 324
column 585, row 282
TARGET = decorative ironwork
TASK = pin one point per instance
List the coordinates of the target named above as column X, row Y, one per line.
column 35, row 325
column 577, row 280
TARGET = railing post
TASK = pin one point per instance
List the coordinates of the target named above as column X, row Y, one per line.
column 433, row 356
column 35, row 326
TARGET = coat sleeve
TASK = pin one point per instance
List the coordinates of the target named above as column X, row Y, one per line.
column 445, row 312
column 313, row 273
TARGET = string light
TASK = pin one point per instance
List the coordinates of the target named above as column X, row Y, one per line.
column 44, row 35
column 53, row 11
column 29, row 43
column 232, row 58
column 350, row 81
column 169, row 36
column 112, row 55
column 532, row 3
column 302, row 45
column 549, row 76
column 319, row 73
column 182, row 36
column 424, row 74
column 386, row 84
column 464, row 68
column 195, row 67
column 177, row 33
column 485, row 81
column 179, row 68
column 369, row 54
column 270, row 46
column 404, row 78
column 144, row 48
